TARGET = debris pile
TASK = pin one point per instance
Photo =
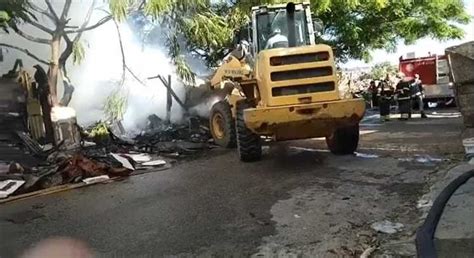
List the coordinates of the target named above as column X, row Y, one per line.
column 103, row 157
column 166, row 138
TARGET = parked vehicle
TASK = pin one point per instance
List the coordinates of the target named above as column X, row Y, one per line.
column 434, row 73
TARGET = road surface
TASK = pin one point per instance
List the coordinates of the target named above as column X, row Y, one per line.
column 299, row 200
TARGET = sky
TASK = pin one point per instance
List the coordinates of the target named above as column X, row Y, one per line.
column 421, row 47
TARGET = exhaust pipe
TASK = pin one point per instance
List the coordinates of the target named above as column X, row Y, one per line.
column 290, row 11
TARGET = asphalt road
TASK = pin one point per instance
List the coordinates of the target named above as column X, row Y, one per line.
column 299, row 200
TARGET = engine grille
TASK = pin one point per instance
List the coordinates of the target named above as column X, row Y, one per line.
column 302, row 89
column 299, row 59
column 301, row 74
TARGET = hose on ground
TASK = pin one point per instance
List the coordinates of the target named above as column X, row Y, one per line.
column 425, row 246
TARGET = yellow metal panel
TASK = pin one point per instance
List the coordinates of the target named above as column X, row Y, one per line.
column 282, row 68
column 283, row 100
column 331, row 78
column 264, row 69
column 33, row 107
column 304, row 121
column 36, row 126
column 231, row 68
column 35, row 119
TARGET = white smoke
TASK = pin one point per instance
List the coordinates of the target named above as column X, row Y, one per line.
column 101, row 70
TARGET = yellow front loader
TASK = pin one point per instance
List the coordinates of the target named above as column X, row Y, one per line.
column 281, row 84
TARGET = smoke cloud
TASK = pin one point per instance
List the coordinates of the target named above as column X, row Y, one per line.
column 101, row 71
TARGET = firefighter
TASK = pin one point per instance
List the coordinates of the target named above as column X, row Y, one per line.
column 373, row 90
column 416, row 88
column 403, row 97
column 385, row 98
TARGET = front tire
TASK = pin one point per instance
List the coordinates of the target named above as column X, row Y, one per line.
column 344, row 141
column 248, row 143
column 222, row 125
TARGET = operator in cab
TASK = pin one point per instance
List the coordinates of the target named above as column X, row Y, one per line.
column 277, row 40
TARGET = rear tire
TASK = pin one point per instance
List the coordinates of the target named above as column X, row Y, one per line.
column 248, row 143
column 344, row 141
column 222, row 125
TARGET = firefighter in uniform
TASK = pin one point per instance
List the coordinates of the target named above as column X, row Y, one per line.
column 386, row 94
column 416, row 88
column 403, row 97
column 373, row 90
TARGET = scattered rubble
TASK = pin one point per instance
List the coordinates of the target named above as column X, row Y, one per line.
column 95, row 180
column 103, row 157
column 422, row 159
column 155, row 163
column 366, row 155
column 423, row 203
column 387, row 227
column 125, row 163
column 7, row 187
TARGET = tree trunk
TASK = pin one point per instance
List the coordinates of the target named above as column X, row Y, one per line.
column 53, row 73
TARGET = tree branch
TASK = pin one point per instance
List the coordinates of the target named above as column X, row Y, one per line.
column 39, row 26
column 134, row 75
column 124, row 64
column 26, row 51
column 51, row 9
column 70, row 43
column 67, row 52
column 86, row 21
column 67, row 6
column 42, row 11
column 29, row 37
column 101, row 22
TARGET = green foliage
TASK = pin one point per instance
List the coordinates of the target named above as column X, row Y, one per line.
column 100, row 130
column 380, row 70
column 183, row 71
column 356, row 27
column 78, row 52
column 157, row 7
column 115, row 106
column 119, row 8
column 4, row 16
column 207, row 30
column 353, row 27
column 14, row 11
column 200, row 29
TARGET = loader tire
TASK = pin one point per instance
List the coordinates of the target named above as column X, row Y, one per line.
column 344, row 140
column 222, row 125
column 248, row 143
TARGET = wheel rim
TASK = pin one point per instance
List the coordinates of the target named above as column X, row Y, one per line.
column 218, row 128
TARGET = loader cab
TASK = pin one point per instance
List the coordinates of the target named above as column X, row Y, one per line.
column 273, row 25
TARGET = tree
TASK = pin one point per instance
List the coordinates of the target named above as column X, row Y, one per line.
column 356, row 27
column 380, row 70
column 60, row 33
column 206, row 28
column 202, row 27
column 353, row 27
column 14, row 11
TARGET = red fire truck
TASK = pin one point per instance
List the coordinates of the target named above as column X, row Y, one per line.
column 434, row 74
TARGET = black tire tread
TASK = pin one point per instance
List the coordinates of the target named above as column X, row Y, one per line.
column 344, row 141
column 248, row 143
column 230, row 140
